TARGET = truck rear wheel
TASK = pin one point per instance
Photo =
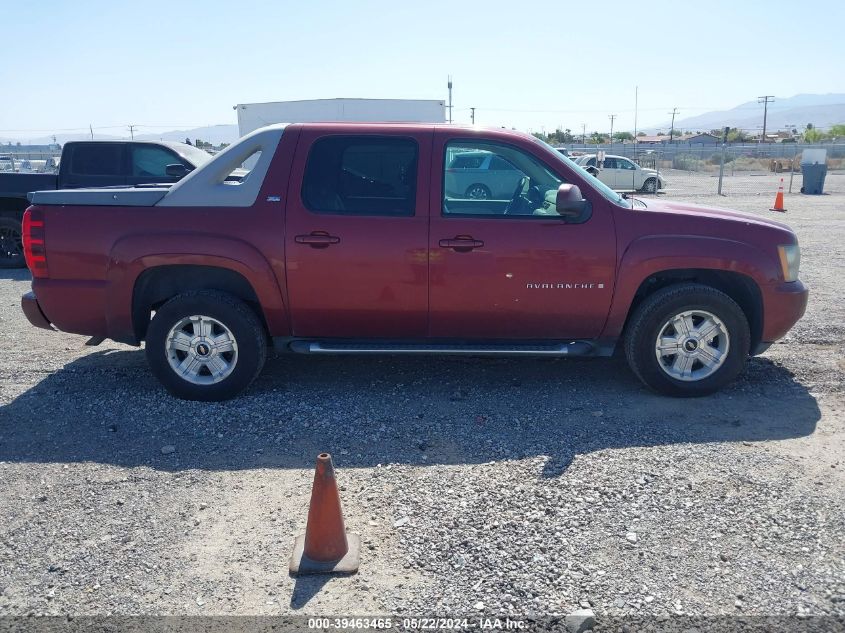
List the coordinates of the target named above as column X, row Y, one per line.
column 687, row 340
column 206, row 345
column 11, row 246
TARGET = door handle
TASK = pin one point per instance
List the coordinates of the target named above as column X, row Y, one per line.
column 317, row 239
column 461, row 243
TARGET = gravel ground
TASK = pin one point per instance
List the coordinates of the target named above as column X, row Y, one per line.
column 478, row 486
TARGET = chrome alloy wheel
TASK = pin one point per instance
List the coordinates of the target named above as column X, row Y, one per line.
column 201, row 350
column 692, row 345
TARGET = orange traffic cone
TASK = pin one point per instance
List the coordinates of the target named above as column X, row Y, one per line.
column 779, row 199
column 325, row 547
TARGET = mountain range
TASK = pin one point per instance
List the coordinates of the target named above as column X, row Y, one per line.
column 783, row 113
column 214, row 134
column 822, row 110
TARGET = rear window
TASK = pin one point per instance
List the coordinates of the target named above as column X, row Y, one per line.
column 97, row 159
column 361, row 175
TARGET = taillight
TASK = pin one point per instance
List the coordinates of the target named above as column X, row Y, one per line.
column 34, row 249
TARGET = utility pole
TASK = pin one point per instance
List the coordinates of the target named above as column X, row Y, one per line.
column 672, row 130
column 91, row 129
column 472, row 114
column 132, row 131
column 584, row 134
column 765, row 100
column 450, row 98
column 611, row 117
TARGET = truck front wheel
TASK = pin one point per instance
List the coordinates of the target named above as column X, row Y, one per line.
column 11, row 246
column 687, row 340
column 206, row 345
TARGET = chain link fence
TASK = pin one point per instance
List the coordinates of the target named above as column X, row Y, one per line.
column 690, row 170
column 28, row 162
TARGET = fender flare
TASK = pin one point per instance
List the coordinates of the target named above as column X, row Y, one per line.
column 650, row 255
column 132, row 255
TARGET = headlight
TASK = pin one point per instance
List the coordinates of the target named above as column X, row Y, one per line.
column 790, row 260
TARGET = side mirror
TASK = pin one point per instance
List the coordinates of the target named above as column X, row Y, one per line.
column 569, row 202
column 176, row 170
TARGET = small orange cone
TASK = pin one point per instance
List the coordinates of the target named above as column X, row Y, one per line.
column 325, row 547
column 779, row 199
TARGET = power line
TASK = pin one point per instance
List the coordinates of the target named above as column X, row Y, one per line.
column 765, row 100
column 672, row 130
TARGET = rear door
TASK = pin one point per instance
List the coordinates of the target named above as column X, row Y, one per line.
column 93, row 165
column 610, row 173
column 356, row 234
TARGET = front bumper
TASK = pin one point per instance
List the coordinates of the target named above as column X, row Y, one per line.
column 33, row 312
column 784, row 305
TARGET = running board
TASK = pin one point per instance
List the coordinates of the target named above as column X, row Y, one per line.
column 574, row 348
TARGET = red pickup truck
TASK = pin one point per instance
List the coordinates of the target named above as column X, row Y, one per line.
column 374, row 238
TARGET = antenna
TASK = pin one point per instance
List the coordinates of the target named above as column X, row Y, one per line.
column 450, row 98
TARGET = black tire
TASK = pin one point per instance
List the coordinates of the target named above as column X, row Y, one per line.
column 478, row 191
column 239, row 318
column 650, row 317
column 650, row 186
column 11, row 246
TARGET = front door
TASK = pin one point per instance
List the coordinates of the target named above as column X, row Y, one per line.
column 356, row 235
column 514, row 269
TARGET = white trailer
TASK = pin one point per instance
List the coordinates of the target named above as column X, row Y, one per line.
column 252, row 116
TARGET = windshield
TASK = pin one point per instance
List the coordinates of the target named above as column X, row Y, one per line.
column 597, row 184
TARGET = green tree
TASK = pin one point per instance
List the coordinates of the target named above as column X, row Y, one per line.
column 623, row 136
column 597, row 138
column 812, row 135
column 737, row 136
column 837, row 130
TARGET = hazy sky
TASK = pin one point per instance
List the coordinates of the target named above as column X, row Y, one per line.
column 529, row 64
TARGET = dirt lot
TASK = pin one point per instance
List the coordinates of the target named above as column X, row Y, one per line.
column 478, row 486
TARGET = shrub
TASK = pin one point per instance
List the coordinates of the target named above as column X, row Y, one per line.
column 687, row 162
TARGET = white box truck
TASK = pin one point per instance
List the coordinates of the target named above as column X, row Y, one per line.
column 252, row 116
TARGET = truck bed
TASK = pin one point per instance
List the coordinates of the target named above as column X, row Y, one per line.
column 18, row 185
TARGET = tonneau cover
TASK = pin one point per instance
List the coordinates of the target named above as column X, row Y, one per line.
column 104, row 197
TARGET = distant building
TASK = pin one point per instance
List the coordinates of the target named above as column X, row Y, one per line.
column 652, row 140
column 701, row 138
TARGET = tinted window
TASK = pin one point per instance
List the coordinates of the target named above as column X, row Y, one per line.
column 150, row 161
column 626, row 164
column 361, row 175
column 610, row 163
column 97, row 159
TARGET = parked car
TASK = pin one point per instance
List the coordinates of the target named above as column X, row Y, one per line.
column 344, row 240
column 622, row 174
column 481, row 175
column 89, row 164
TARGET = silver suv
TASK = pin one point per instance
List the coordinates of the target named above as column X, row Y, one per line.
column 481, row 175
